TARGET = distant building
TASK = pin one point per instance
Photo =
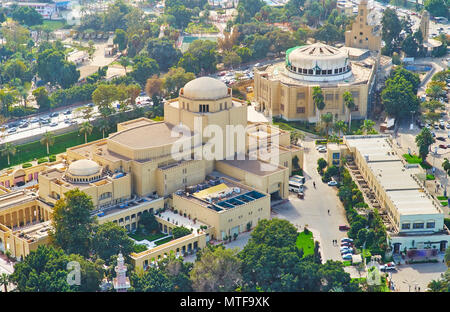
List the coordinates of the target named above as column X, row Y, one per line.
column 47, row 10
column 363, row 35
column 428, row 43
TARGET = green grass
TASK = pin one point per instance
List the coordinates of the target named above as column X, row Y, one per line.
column 442, row 197
column 412, row 159
column 430, row 177
column 139, row 248
column 151, row 237
column 305, row 242
column 54, row 25
column 196, row 28
column 444, row 203
column 347, row 263
column 163, row 241
column 35, row 150
column 295, row 125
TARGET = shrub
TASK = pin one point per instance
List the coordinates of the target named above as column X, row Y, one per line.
column 27, row 165
column 430, row 177
column 447, row 222
column 42, row 160
column 180, row 231
column 52, row 158
column 139, row 248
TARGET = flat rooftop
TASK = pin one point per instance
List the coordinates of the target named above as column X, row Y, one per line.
column 34, row 232
column 397, row 181
column 220, row 194
column 256, row 167
column 15, row 198
column 146, row 136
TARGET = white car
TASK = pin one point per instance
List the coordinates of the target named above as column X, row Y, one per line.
column 332, row 183
column 347, row 257
column 346, row 239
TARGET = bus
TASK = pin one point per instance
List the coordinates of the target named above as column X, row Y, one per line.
column 299, row 178
column 295, row 187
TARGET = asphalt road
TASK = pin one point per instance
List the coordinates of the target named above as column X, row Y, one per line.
column 313, row 209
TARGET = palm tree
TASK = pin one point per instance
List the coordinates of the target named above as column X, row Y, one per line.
column 4, row 281
column 8, row 150
column 86, row 128
column 327, row 119
column 367, row 126
column 103, row 127
column 340, row 126
column 48, row 139
column 349, row 102
column 319, row 103
column 446, row 165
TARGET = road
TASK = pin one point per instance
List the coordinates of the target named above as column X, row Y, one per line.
column 38, row 128
column 312, row 211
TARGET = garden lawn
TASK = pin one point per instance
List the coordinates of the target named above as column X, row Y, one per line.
column 150, row 237
column 305, row 242
column 53, row 25
column 163, row 241
column 412, row 159
column 35, row 150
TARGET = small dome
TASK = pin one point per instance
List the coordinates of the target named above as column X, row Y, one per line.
column 205, row 88
column 83, row 167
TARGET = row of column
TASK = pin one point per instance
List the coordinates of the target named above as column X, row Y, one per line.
column 24, row 216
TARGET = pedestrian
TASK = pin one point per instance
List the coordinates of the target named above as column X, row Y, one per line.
column 314, row 184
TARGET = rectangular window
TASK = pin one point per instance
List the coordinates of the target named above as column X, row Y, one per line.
column 355, row 94
column 330, row 71
column 430, row 225
column 300, row 95
column 418, row 225
column 406, row 226
column 300, row 110
column 329, row 97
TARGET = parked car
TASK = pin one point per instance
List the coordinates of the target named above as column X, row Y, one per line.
column 344, row 227
column 67, row 121
column 440, row 138
column 443, row 146
column 54, row 114
column 34, row 120
column 53, row 124
column 24, row 125
column 12, row 130
column 436, row 127
column 433, row 134
column 332, row 183
column 346, row 239
column 385, row 268
column 347, row 257
column 68, row 112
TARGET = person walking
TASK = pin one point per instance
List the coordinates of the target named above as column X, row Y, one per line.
column 314, row 184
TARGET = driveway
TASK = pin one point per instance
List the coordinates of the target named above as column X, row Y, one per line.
column 312, row 211
column 415, row 277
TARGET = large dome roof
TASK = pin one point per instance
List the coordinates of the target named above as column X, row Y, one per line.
column 317, row 54
column 84, row 167
column 205, row 88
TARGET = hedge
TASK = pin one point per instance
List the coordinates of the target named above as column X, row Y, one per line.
column 27, row 165
column 42, row 160
column 52, row 158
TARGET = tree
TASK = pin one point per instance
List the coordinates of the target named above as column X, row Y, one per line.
column 349, row 103
column 181, row 14
column 391, row 29
column 73, row 223
column 327, row 119
column 86, row 129
column 247, row 9
column 424, row 140
column 48, row 139
column 148, row 221
column 153, row 86
column 45, row 270
column 41, row 96
column 53, row 67
column 409, row 76
column 340, row 127
column 329, row 33
column 104, row 96
column 175, row 79
column 143, row 68
column 162, row 50
column 171, row 274
column 120, row 38
column 410, row 46
column 180, row 231
column 367, row 126
column 201, row 56
column 321, row 164
column 217, row 270
column 318, row 100
column 103, row 127
column 26, row 15
column 15, row 35
column 4, row 281
column 437, row 7
column 109, row 239
column 436, row 89
column 398, row 97
column 8, row 150
column 231, row 59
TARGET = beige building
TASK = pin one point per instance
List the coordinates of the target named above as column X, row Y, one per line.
column 285, row 89
column 365, row 32
column 151, row 166
column 416, row 220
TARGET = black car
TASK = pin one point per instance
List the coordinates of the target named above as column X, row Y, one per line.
column 67, row 112
column 440, row 138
